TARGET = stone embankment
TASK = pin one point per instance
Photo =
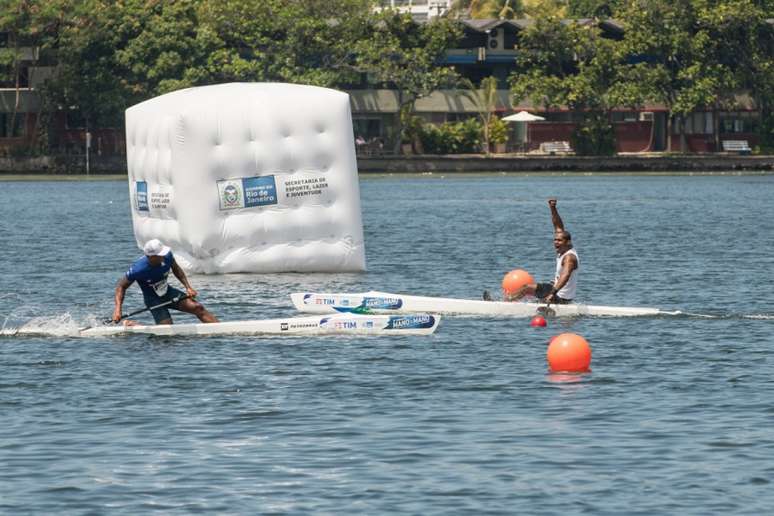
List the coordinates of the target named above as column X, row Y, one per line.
column 528, row 163
column 640, row 163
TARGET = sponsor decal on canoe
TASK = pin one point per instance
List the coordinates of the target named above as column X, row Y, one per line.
column 286, row 326
column 383, row 303
column 369, row 304
column 300, row 326
column 312, row 299
column 398, row 322
column 338, row 324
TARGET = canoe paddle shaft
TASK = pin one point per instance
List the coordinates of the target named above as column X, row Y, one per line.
column 146, row 309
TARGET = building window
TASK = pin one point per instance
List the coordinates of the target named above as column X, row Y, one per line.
column 11, row 126
column 368, row 128
column 738, row 122
column 695, row 123
column 625, row 116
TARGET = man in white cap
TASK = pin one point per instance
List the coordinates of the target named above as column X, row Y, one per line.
column 150, row 272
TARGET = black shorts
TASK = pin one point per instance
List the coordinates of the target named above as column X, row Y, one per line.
column 543, row 289
column 162, row 314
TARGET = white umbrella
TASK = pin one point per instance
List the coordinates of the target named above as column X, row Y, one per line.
column 522, row 116
column 522, row 134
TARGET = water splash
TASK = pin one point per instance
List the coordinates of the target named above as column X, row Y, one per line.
column 62, row 325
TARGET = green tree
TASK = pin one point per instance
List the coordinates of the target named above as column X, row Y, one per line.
column 485, row 100
column 302, row 41
column 673, row 58
column 90, row 78
column 571, row 65
column 161, row 49
column 31, row 29
column 404, row 55
column 742, row 41
column 545, row 8
column 592, row 8
column 118, row 54
column 487, row 9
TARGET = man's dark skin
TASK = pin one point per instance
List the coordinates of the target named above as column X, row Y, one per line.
column 188, row 305
column 562, row 244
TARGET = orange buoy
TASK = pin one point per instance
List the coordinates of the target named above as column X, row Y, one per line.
column 538, row 321
column 569, row 352
column 515, row 280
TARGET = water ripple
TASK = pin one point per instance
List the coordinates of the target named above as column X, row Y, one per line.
column 673, row 418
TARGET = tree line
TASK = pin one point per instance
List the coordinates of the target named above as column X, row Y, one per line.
column 685, row 54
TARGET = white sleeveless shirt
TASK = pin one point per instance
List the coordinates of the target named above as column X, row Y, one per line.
column 568, row 290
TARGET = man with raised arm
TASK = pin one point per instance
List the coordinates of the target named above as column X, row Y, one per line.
column 562, row 289
column 150, row 272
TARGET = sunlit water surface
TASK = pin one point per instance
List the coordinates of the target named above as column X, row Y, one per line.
column 676, row 417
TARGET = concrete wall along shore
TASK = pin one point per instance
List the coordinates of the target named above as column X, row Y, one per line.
column 456, row 163
column 527, row 163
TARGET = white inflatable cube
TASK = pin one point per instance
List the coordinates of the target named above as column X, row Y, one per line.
column 247, row 178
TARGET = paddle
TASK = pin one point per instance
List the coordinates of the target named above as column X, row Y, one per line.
column 546, row 311
column 146, row 309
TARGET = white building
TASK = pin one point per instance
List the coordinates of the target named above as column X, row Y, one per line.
column 420, row 9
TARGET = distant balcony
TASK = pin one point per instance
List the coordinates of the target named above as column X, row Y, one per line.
column 419, row 9
column 479, row 55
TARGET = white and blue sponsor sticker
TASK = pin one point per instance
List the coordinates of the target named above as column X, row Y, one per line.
column 400, row 322
column 141, row 195
column 369, row 304
column 382, row 303
column 247, row 192
column 259, row 191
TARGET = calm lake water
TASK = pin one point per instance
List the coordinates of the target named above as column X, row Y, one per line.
column 676, row 417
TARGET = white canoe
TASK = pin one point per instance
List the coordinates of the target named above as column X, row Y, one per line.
column 338, row 324
column 382, row 302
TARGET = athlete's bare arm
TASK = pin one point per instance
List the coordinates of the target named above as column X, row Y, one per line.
column 555, row 218
column 179, row 274
column 121, row 287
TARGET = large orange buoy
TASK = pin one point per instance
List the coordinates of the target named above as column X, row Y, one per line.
column 569, row 352
column 515, row 280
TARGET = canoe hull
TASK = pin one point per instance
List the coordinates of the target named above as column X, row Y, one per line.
column 382, row 302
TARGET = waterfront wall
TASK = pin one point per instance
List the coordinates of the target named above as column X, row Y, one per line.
column 67, row 164
column 452, row 163
column 526, row 163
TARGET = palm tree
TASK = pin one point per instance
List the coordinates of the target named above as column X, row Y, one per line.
column 485, row 99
